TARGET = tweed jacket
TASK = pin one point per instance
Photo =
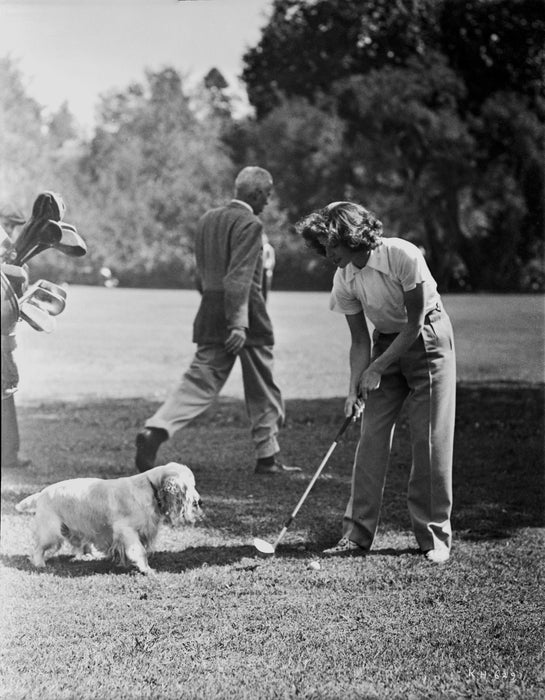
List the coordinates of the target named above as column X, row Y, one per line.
column 228, row 251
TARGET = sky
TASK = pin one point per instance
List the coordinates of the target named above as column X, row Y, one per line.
column 74, row 50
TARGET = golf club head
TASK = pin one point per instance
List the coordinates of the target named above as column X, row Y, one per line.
column 39, row 238
column 17, row 278
column 46, row 301
column 71, row 243
column 48, row 205
column 52, row 287
column 6, row 246
column 37, row 318
column 263, row 546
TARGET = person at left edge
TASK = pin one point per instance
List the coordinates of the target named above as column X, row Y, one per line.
column 10, row 218
column 232, row 321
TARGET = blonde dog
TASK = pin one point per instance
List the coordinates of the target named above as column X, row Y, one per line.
column 119, row 517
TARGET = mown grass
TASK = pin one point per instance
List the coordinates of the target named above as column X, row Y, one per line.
column 218, row 621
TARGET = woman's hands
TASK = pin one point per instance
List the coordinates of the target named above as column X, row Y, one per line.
column 355, row 401
column 370, row 380
column 353, row 405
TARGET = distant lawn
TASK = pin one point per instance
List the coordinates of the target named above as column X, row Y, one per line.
column 218, row 621
column 114, row 343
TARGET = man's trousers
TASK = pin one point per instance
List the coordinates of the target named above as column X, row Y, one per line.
column 205, row 378
column 425, row 378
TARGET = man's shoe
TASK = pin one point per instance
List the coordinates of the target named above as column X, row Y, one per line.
column 343, row 548
column 437, row 556
column 275, row 468
column 148, row 442
column 17, row 464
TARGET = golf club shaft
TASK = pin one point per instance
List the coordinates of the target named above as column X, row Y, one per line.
column 324, row 461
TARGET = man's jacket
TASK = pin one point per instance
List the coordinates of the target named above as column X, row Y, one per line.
column 228, row 251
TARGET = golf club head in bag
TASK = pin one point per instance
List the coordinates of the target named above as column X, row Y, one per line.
column 48, row 205
column 40, row 235
column 6, row 246
column 70, row 243
column 37, row 318
column 52, row 287
column 44, row 299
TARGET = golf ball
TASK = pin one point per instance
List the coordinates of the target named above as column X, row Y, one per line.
column 314, row 565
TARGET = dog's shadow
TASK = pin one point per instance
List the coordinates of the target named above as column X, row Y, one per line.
column 247, row 558
column 66, row 566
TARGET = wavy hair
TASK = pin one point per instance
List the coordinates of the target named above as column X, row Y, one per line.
column 341, row 222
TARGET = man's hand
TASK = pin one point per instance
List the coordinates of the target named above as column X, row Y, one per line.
column 235, row 341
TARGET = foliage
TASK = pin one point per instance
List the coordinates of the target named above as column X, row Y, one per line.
column 430, row 112
column 306, row 47
column 24, row 148
column 151, row 171
column 425, row 92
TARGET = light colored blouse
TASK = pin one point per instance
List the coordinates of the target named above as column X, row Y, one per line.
column 395, row 267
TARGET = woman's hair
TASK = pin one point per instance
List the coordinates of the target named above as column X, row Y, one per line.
column 341, row 222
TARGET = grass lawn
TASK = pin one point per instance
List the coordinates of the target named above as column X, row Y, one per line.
column 219, row 621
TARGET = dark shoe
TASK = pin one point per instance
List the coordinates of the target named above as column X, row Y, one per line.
column 275, row 467
column 148, row 442
column 17, row 464
column 343, row 548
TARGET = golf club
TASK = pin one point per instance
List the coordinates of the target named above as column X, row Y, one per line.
column 70, row 244
column 52, row 287
column 48, row 205
column 37, row 237
column 37, row 318
column 266, row 547
column 48, row 301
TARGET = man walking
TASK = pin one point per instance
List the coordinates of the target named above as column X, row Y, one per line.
column 232, row 321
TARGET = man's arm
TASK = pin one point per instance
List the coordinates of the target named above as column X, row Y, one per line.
column 244, row 254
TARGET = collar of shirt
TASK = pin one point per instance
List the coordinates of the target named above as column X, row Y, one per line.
column 244, row 204
column 377, row 260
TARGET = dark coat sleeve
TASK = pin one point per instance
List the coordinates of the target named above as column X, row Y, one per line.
column 246, row 244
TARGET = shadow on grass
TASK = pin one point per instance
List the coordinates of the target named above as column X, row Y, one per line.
column 242, row 557
column 498, row 463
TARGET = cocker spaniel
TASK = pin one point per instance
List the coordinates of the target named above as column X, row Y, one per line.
column 119, row 517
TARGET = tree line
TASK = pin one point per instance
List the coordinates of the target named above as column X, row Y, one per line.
column 429, row 112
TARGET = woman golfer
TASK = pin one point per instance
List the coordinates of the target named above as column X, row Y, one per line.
column 410, row 360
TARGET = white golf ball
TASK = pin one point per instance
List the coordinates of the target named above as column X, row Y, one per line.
column 314, row 565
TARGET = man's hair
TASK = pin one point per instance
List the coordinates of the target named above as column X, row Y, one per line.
column 252, row 178
column 341, row 222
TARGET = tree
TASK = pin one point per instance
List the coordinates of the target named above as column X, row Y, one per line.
column 496, row 46
column 306, row 47
column 152, row 169
column 420, row 125
column 24, row 144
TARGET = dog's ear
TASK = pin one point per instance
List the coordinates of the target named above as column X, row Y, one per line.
column 171, row 498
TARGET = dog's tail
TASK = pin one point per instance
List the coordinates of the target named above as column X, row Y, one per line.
column 28, row 504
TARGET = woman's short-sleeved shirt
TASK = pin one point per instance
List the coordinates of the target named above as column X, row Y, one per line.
column 393, row 268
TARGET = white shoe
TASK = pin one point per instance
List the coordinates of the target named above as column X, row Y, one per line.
column 437, row 556
column 344, row 547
